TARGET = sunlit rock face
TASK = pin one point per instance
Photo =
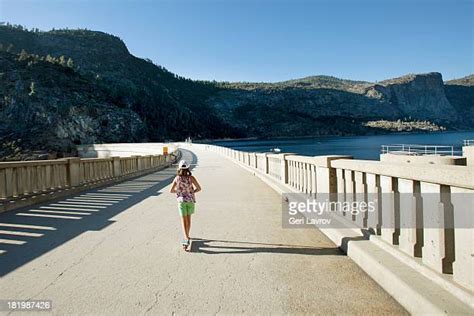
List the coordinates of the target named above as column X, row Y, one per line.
column 421, row 97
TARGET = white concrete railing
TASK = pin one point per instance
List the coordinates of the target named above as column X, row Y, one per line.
column 27, row 182
column 468, row 153
column 449, row 252
column 123, row 149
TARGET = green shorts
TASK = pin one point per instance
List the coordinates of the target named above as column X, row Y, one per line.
column 186, row 208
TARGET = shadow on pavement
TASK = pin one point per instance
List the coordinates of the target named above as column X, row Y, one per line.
column 216, row 246
column 30, row 232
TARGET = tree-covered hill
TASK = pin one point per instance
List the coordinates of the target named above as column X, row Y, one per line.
column 170, row 106
column 48, row 108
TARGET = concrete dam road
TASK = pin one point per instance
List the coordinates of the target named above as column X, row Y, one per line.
column 116, row 250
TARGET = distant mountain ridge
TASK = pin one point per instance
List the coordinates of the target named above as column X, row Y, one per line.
column 464, row 81
column 338, row 107
column 312, row 82
column 80, row 86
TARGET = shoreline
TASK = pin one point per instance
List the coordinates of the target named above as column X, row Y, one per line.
column 279, row 138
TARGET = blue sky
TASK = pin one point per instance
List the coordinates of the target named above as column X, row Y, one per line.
column 275, row 40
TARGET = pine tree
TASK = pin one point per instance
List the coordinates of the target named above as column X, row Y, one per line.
column 23, row 55
column 32, row 89
column 70, row 63
column 49, row 58
column 62, row 60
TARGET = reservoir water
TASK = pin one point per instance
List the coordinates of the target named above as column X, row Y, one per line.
column 361, row 147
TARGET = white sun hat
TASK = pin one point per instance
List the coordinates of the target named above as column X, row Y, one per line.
column 183, row 165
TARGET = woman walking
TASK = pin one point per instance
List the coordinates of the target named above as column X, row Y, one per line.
column 185, row 186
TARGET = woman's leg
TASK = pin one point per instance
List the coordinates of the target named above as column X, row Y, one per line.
column 185, row 225
column 186, row 219
column 188, row 225
column 190, row 212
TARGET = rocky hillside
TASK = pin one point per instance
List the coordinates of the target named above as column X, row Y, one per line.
column 327, row 105
column 66, row 87
column 171, row 106
column 460, row 93
column 47, row 108
column 166, row 105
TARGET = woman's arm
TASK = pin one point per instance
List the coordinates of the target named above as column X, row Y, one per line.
column 173, row 186
column 197, row 187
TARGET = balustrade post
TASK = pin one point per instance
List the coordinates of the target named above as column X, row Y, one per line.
column 304, row 177
column 374, row 218
column 299, row 175
column 341, row 186
column 350, row 190
column 116, row 166
column 284, row 167
column 438, row 245
column 9, row 182
column 265, row 163
column 134, row 163
column 463, row 200
column 73, row 171
column 255, row 165
column 361, row 197
column 326, row 182
column 390, row 210
column 3, row 182
column 411, row 217
column 314, row 182
column 140, row 163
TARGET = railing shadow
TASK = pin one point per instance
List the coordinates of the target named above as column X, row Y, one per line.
column 28, row 233
column 216, row 246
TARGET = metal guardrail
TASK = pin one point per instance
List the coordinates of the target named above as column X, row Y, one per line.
column 421, row 150
column 469, row 142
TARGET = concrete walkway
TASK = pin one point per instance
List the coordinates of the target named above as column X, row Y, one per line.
column 116, row 250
